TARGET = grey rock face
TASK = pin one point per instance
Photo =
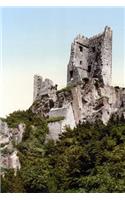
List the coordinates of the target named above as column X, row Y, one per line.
column 9, row 158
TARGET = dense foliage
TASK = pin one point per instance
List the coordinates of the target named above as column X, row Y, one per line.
column 13, row 119
column 90, row 158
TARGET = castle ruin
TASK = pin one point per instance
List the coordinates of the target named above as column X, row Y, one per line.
column 88, row 95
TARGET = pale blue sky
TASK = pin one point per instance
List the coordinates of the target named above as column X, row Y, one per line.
column 38, row 40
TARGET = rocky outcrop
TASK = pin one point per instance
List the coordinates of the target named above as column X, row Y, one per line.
column 8, row 138
column 86, row 101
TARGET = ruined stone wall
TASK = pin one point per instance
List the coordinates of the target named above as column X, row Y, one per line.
column 45, row 87
column 56, row 128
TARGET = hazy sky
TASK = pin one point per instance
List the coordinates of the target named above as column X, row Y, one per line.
column 38, row 40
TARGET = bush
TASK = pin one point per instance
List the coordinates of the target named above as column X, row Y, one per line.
column 55, row 119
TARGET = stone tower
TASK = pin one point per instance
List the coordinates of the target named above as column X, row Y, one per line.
column 91, row 58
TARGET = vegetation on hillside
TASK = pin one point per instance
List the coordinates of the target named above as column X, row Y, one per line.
column 89, row 158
